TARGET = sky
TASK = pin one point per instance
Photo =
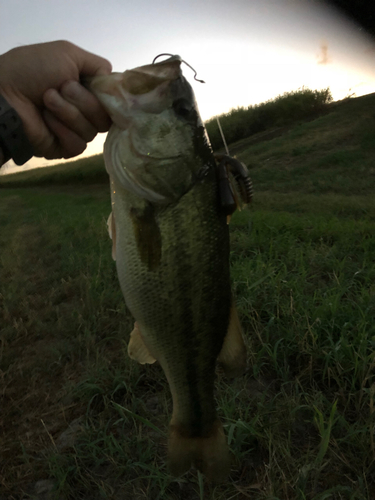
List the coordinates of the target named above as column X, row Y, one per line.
column 247, row 51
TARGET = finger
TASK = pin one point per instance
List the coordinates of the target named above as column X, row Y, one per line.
column 67, row 143
column 69, row 115
column 87, row 103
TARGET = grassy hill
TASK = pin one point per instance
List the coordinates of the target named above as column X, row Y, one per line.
column 77, row 414
column 327, row 154
column 89, row 170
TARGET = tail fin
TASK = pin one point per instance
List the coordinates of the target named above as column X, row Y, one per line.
column 210, row 454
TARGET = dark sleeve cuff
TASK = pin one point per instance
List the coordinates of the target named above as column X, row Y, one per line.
column 13, row 140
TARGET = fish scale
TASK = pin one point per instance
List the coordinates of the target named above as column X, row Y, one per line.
column 184, row 304
column 171, row 244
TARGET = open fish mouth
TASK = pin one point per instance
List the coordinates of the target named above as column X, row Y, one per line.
column 134, row 83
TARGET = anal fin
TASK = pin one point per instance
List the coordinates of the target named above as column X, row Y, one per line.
column 232, row 356
column 137, row 349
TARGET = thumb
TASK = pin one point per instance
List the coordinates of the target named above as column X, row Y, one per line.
column 92, row 65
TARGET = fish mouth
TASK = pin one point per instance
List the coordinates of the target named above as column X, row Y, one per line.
column 137, row 81
column 145, row 79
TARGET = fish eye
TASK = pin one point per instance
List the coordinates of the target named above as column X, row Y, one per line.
column 182, row 107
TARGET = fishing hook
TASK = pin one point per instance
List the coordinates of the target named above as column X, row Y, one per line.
column 171, row 55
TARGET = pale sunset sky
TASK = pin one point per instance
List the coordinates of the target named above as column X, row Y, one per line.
column 247, row 51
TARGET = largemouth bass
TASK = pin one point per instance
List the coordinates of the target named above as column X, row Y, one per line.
column 171, row 246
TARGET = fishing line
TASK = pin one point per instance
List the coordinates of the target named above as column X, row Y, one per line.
column 179, row 58
column 222, row 136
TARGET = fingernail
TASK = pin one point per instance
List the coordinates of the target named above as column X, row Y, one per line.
column 71, row 89
column 53, row 99
column 104, row 72
column 105, row 69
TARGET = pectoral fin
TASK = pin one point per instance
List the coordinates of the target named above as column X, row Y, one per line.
column 147, row 236
column 232, row 356
column 112, row 233
column 137, row 349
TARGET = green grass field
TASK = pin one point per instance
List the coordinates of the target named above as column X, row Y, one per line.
column 300, row 423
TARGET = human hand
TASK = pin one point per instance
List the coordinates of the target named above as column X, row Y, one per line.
column 41, row 82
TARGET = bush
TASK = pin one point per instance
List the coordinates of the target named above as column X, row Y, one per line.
column 291, row 106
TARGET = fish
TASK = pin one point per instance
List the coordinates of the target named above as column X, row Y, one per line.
column 170, row 240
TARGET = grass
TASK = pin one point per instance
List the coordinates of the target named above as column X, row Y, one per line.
column 300, row 423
